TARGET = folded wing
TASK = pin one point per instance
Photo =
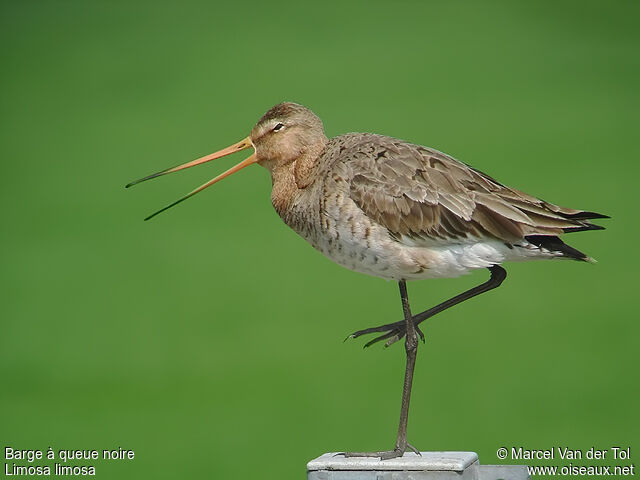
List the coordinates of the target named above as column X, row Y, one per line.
column 423, row 196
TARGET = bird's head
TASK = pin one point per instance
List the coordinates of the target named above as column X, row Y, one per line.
column 286, row 132
column 283, row 134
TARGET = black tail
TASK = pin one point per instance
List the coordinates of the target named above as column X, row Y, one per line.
column 583, row 223
column 554, row 244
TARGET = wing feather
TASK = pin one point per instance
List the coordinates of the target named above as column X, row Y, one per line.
column 426, row 195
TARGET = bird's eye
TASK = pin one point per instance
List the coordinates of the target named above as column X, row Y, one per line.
column 278, row 127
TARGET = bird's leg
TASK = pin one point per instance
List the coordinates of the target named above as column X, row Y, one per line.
column 395, row 331
column 411, row 348
column 409, row 327
column 389, row 327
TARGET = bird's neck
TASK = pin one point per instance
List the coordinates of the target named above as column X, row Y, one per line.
column 284, row 187
column 290, row 179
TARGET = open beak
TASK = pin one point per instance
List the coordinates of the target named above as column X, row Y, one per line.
column 236, row 147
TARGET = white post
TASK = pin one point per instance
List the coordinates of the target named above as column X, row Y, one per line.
column 430, row 465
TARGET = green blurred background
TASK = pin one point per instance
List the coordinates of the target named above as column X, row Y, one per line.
column 209, row 340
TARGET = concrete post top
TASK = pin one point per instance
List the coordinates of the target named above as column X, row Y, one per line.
column 428, row 461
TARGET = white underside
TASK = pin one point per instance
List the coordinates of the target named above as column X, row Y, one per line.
column 398, row 261
column 455, row 260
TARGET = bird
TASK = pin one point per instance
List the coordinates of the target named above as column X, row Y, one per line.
column 386, row 207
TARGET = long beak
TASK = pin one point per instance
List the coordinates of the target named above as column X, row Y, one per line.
column 236, row 147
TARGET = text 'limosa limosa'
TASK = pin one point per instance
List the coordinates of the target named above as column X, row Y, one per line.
column 388, row 208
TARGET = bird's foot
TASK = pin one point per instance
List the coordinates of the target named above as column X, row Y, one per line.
column 385, row 455
column 395, row 331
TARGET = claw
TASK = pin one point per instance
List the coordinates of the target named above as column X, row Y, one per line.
column 395, row 331
column 381, row 328
column 395, row 453
column 414, row 449
column 380, row 338
column 393, row 339
column 419, row 332
column 386, row 455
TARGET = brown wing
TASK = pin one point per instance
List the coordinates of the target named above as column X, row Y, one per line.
column 421, row 193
